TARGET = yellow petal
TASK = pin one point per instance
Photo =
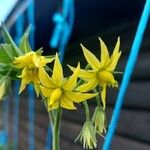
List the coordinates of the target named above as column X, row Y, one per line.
column 72, row 81
column 91, row 59
column 65, row 103
column 103, row 95
column 117, row 47
column 45, row 80
column 104, row 52
column 106, row 77
column 54, row 106
column 49, row 60
column 84, row 74
column 24, row 83
column 113, row 62
column 55, row 96
column 57, row 76
column 115, row 56
column 46, row 92
column 91, row 84
column 78, row 97
column 37, row 89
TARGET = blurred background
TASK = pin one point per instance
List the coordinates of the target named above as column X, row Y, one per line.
column 93, row 19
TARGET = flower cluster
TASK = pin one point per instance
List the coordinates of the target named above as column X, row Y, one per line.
column 22, row 63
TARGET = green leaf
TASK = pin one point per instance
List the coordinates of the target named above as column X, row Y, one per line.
column 4, row 68
column 24, row 44
column 8, row 39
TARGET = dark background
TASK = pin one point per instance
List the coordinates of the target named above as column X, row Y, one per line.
column 94, row 18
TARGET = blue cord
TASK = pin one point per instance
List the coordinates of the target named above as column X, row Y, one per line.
column 49, row 138
column 127, row 74
column 19, row 32
column 31, row 94
column 64, row 24
column 61, row 34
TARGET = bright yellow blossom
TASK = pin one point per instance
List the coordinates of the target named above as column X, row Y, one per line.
column 31, row 64
column 59, row 91
column 101, row 72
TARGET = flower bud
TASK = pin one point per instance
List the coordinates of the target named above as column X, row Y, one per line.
column 88, row 136
column 99, row 120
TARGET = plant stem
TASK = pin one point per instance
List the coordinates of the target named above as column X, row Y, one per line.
column 56, row 130
column 87, row 111
column 97, row 98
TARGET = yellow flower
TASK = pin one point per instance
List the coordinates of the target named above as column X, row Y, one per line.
column 59, row 91
column 101, row 72
column 31, row 64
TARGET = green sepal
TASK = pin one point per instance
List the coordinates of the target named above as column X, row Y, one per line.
column 24, row 44
column 39, row 51
column 8, row 39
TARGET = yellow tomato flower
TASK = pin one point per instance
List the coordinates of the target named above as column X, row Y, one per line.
column 59, row 91
column 101, row 72
column 31, row 64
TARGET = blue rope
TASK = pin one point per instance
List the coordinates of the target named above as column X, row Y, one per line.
column 62, row 31
column 64, row 24
column 19, row 32
column 31, row 94
column 49, row 138
column 127, row 74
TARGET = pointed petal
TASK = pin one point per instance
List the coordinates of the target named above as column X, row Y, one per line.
column 115, row 56
column 91, row 59
column 57, row 76
column 65, row 103
column 103, row 95
column 78, row 97
column 91, row 84
column 104, row 52
column 117, row 47
column 84, row 74
column 113, row 62
column 37, row 89
column 24, row 83
column 45, row 80
column 54, row 106
column 46, row 92
column 49, row 60
column 72, row 81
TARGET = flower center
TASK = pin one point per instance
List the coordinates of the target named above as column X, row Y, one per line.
column 106, row 77
column 55, row 96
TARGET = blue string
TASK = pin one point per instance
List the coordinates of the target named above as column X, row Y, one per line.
column 31, row 94
column 127, row 74
column 61, row 34
column 64, row 24
column 19, row 32
column 49, row 138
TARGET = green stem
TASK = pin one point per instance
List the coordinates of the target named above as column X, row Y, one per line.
column 56, row 130
column 97, row 98
column 87, row 111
